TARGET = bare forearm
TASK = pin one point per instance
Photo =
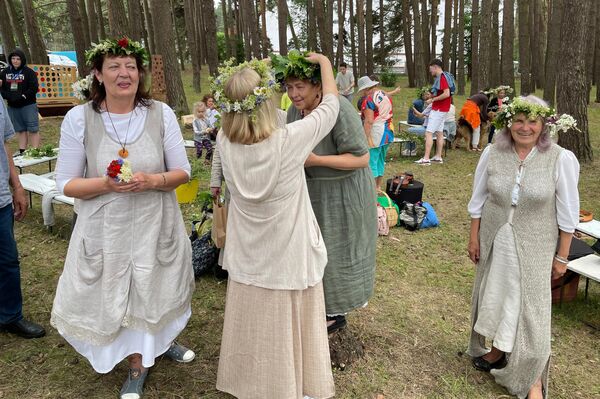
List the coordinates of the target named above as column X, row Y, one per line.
column 343, row 161
column 564, row 244
column 168, row 181
column 474, row 233
column 14, row 181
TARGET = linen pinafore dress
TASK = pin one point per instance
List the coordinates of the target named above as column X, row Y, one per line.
column 128, row 266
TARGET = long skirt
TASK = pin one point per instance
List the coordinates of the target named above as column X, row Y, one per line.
column 275, row 344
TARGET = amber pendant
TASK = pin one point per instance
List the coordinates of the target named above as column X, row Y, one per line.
column 123, row 153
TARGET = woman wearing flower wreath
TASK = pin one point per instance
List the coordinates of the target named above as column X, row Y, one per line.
column 341, row 192
column 274, row 340
column 524, row 198
column 126, row 287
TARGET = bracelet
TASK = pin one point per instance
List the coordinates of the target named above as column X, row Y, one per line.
column 164, row 179
column 560, row 259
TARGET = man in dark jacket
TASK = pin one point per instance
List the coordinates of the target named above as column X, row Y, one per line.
column 19, row 86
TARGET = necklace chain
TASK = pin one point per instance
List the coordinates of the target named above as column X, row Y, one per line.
column 124, row 143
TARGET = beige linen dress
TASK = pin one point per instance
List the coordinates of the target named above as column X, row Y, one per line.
column 128, row 266
column 275, row 342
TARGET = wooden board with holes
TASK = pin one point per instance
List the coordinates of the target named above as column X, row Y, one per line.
column 159, row 89
column 55, row 83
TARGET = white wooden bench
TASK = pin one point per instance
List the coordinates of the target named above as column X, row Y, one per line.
column 41, row 185
column 189, row 143
column 22, row 161
column 588, row 267
column 404, row 125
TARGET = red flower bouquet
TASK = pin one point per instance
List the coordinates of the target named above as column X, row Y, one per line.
column 120, row 170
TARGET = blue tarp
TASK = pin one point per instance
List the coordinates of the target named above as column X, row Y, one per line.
column 71, row 54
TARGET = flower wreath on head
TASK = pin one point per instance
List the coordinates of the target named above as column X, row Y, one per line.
column 294, row 65
column 117, row 47
column 519, row 105
column 423, row 90
column 261, row 93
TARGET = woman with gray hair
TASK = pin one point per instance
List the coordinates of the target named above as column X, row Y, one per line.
column 524, row 198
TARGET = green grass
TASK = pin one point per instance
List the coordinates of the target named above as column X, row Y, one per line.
column 415, row 328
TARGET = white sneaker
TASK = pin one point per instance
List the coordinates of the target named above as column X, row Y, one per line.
column 437, row 160
column 423, row 161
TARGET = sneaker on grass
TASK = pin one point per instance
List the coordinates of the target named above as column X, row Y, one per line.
column 437, row 160
column 423, row 161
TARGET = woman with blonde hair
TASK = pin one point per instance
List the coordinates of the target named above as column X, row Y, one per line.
column 274, row 339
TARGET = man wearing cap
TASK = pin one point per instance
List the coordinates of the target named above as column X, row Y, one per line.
column 12, row 206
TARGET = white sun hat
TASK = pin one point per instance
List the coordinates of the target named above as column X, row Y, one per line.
column 366, row 83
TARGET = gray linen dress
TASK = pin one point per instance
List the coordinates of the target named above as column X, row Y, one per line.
column 345, row 205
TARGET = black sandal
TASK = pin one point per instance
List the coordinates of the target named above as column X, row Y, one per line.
column 483, row 365
column 339, row 323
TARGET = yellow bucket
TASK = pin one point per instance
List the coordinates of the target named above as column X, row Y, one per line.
column 187, row 192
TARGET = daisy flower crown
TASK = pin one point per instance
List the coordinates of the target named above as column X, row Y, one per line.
column 117, row 47
column 556, row 123
column 261, row 93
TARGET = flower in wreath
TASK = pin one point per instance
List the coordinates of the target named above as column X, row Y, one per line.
column 261, row 93
column 81, row 88
column 117, row 47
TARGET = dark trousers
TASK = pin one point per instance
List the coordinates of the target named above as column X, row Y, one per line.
column 11, row 302
column 204, row 144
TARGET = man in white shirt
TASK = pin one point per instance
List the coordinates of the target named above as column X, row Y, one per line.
column 345, row 81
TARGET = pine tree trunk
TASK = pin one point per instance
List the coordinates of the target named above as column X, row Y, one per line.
column 524, row 48
column 541, row 21
column 178, row 40
column 165, row 38
column 37, row 48
column 263, row 29
column 6, row 30
column 92, row 21
column 590, row 47
column 135, row 19
column 243, row 20
column 210, row 22
column 17, row 24
column 508, row 46
column 571, row 93
column 434, row 22
column 475, row 27
column 78, row 36
column 552, row 47
column 460, row 67
column 485, row 44
column 190, row 31
column 447, row 34
column 83, row 13
column 282, row 17
column 254, row 32
column 320, row 17
column 420, row 66
column 369, row 37
column 292, row 30
column 149, row 27
column 329, row 30
column 454, row 47
column 312, row 25
column 117, row 18
column 408, row 47
column 597, row 54
column 360, row 13
column 341, row 31
column 382, row 51
column 495, row 45
column 101, row 22
column 533, row 44
column 226, row 28
column 425, row 30
column 352, row 16
column 201, row 32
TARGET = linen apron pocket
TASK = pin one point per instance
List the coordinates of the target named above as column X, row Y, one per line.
column 315, row 233
column 90, row 263
column 166, row 251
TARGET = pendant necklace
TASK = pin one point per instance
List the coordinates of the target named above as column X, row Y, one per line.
column 123, row 153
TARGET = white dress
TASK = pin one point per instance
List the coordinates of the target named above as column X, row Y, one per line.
column 71, row 164
column 500, row 293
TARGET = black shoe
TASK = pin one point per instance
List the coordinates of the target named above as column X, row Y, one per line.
column 340, row 322
column 483, row 365
column 24, row 328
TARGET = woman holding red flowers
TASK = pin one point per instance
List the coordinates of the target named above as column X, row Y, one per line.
column 126, row 288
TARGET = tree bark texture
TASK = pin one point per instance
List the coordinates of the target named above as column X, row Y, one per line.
column 524, row 48
column 448, row 31
column 425, row 31
column 190, row 32
column 454, row 48
column 117, row 18
column 341, row 8
column 541, row 22
column 571, row 80
column 282, row 17
column 37, row 47
column 210, row 21
column 508, row 46
column 590, row 48
column 263, row 29
column 312, row 25
column 165, row 38
column 92, row 21
column 149, row 27
column 78, row 35
column 179, row 41
column 360, row 13
column 434, row 22
column 85, row 22
column 475, row 26
column 369, row 37
column 597, row 54
column 495, row 45
column 17, row 24
column 101, row 26
column 460, row 66
column 419, row 51
column 484, row 44
column 6, row 30
column 135, row 19
column 408, row 47
column 353, row 24
column 382, row 29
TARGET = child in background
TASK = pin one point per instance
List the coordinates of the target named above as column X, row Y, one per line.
column 202, row 131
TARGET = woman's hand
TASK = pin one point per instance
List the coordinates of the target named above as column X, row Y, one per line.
column 117, row 187
column 146, row 182
column 215, row 192
column 370, row 141
column 474, row 250
column 314, row 58
column 558, row 269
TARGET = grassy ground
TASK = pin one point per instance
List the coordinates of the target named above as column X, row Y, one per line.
column 415, row 328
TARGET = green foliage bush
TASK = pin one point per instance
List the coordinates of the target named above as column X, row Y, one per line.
column 388, row 78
